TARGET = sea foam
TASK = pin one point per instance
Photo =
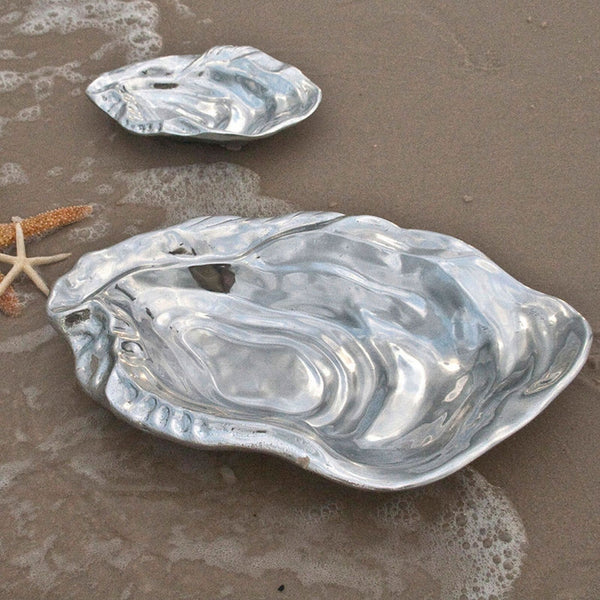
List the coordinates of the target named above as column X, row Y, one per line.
column 190, row 191
column 458, row 539
column 129, row 25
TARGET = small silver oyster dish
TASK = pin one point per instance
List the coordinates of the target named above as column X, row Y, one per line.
column 380, row 357
column 228, row 94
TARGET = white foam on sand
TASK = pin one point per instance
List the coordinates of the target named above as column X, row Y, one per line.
column 194, row 190
column 460, row 539
column 11, row 17
column 28, row 341
column 182, row 10
column 29, row 113
column 128, row 24
column 7, row 54
column 81, row 234
column 104, row 189
column 474, row 545
column 55, row 171
column 38, row 85
column 41, row 80
column 12, row 173
column 130, row 27
column 88, row 230
column 32, row 396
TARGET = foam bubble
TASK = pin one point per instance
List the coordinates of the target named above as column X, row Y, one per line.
column 11, row 17
column 30, row 113
column 81, row 177
column 84, row 174
column 475, row 543
column 7, row 54
column 12, row 173
column 320, row 513
column 89, row 233
column 11, row 80
column 86, row 162
column 182, row 10
column 133, row 229
column 194, row 190
column 32, row 395
column 104, row 189
column 54, row 171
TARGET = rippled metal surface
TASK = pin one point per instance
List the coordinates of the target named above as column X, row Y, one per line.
column 229, row 93
column 380, row 357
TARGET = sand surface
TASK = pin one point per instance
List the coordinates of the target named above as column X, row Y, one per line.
column 475, row 119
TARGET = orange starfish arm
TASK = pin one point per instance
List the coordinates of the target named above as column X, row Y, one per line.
column 44, row 222
column 7, row 234
column 9, row 302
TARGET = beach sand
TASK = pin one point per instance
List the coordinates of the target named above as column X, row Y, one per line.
column 475, row 119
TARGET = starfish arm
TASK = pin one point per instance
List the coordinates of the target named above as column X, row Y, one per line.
column 7, row 234
column 8, row 279
column 35, row 277
column 20, row 239
column 7, row 258
column 44, row 222
column 46, row 260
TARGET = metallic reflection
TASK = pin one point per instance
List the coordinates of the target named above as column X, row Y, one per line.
column 377, row 356
column 227, row 94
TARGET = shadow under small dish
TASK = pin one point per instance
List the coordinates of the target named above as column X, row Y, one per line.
column 379, row 357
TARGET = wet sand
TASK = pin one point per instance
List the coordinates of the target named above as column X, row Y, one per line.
column 475, row 120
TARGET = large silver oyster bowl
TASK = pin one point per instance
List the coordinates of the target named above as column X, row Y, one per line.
column 377, row 356
column 229, row 93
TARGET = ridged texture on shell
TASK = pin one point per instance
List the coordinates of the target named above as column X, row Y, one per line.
column 377, row 356
column 228, row 93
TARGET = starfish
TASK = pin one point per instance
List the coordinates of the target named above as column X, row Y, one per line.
column 23, row 263
column 44, row 222
column 37, row 225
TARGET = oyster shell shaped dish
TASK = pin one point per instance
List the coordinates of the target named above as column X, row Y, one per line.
column 229, row 93
column 377, row 356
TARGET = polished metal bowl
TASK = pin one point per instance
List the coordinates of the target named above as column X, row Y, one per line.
column 227, row 94
column 376, row 356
